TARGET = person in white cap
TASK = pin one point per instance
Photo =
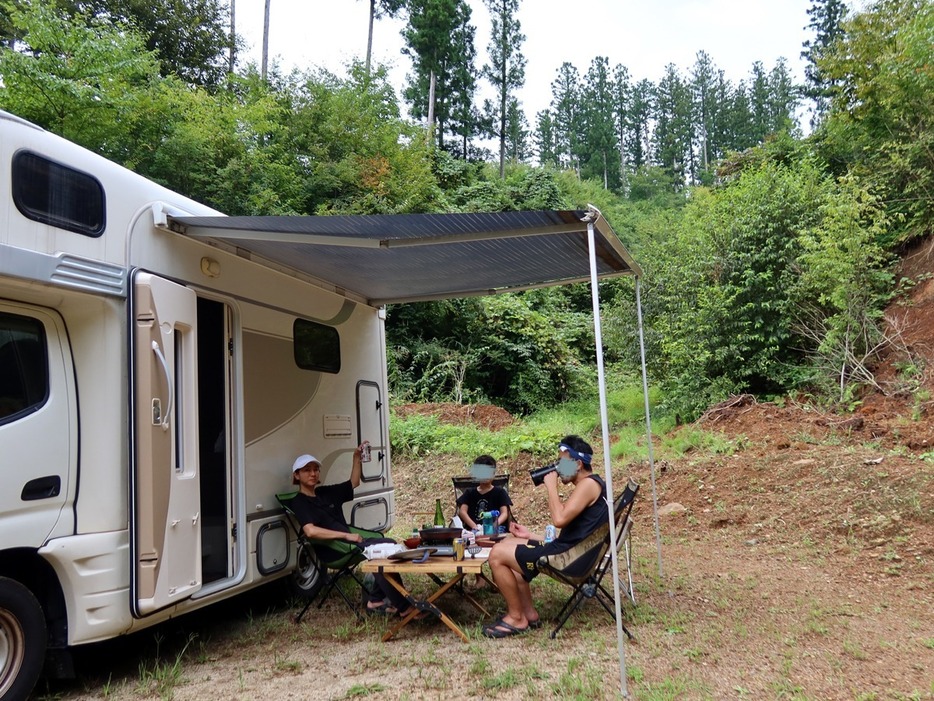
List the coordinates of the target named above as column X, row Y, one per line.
column 320, row 511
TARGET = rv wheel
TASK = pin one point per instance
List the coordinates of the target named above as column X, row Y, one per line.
column 22, row 640
column 308, row 577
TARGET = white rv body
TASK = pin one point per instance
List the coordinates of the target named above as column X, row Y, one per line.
column 141, row 483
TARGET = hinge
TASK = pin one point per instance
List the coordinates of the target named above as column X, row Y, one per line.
column 229, row 346
column 233, row 531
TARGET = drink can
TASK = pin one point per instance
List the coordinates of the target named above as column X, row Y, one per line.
column 365, row 452
column 550, row 533
column 459, row 544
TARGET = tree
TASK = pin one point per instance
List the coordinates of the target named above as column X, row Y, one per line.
column 637, row 124
column 827, row 18
column 86, row 80
column 190, row 37
column 546, row 140
column 565, row 110
column 599, row 149
column 506, row 70
column 881, row 119
column 438, row 41
column 673, row 126
column 517, row 133
column 706, row 108
column 622, row 105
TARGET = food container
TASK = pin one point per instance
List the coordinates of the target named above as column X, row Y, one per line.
column 412, row 542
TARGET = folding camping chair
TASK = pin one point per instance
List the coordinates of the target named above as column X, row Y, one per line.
column 462, row 484
column 323, row 577
column 583, row 566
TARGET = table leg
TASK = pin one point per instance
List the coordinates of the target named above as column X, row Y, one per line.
column 426, row 605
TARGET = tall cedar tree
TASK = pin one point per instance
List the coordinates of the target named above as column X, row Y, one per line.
column 599, row 154
column 827, row 23
column 438, row 45
column 565, row 110
column 506, row 70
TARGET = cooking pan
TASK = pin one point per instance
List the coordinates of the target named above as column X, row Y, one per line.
column 440, row 534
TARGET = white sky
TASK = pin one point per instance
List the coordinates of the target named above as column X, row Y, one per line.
column 643, row 35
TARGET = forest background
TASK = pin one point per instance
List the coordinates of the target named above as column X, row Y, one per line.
column 769, row 255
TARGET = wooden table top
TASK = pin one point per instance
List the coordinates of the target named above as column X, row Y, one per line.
column 433, row 565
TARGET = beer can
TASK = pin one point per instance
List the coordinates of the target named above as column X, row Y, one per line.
column 550, row 533
column 365, row 452
column 459, row 545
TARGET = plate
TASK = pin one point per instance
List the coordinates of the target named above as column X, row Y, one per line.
column 413, row 554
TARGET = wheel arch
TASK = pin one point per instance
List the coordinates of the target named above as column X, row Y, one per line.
column 29, row 569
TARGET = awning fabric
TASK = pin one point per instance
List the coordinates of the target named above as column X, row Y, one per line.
column 415, row 257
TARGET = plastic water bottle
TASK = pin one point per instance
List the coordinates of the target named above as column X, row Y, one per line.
column 549, row 533
column 489, row 522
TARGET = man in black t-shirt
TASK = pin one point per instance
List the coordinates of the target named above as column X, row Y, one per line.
column 514, row 561
column 319, row 509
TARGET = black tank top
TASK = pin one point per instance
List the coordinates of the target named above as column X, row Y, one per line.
column 587, row 521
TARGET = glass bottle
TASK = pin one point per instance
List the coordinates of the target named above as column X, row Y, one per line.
column 439, row 514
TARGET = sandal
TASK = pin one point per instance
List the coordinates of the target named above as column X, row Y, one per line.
column 501, row 629
column 537, row 623
column 383, row 609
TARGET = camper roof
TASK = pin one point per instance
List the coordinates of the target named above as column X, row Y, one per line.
column 417, row 257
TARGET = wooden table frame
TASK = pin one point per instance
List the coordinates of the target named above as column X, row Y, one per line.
column 433, row 567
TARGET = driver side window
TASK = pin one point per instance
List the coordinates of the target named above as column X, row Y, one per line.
column 24, row 367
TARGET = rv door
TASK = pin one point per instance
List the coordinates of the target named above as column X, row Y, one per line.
column 166, row 538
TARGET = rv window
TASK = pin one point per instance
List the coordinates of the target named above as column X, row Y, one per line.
column 317, row 347
column 24, row 369
column 54, row 194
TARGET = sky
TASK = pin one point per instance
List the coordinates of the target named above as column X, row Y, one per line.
column 644, row 35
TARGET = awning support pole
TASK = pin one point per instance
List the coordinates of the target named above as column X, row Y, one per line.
column 648, row 428
column 607, row 465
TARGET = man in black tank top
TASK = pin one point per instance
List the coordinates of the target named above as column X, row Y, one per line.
column 514, row 561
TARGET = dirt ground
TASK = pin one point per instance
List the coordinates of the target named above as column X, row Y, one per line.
column 798, row 564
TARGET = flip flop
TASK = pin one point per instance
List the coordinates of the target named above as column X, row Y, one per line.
column 382, row 609
column 494, row 630
column 537, row 623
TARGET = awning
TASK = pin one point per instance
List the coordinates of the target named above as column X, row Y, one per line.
column 417, row 257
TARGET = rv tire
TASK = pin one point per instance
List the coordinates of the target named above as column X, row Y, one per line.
column 309, row 574
column 23, row 639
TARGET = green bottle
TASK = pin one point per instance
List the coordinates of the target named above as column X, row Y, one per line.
column 439, row 514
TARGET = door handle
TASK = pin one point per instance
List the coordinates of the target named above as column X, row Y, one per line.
column 42, row 488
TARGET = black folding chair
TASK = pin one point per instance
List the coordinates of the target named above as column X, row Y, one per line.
column 584, row 566
column 462, row 484
column 315, row 575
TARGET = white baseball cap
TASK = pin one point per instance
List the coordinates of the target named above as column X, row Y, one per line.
column 303, row 460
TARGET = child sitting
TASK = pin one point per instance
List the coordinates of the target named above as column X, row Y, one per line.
column 483, row 497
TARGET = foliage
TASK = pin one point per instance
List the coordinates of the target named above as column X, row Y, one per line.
column 740, row 287
column 881, row 124
column 82, row 80
column 506, row 70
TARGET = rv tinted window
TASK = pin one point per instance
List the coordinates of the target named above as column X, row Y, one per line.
column 51, row 193
column 317, row 347
column 24, row 369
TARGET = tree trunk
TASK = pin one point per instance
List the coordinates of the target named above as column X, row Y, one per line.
column 431, row 104
column 233, row 36
column 265, row 40
column 369, row 39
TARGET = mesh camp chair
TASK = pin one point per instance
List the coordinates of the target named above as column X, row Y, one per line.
column 584, row 566
column 462, row 484
column 314, row 575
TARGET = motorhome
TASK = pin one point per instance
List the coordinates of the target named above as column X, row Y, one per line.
column 154, row 391
column 161, row 366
